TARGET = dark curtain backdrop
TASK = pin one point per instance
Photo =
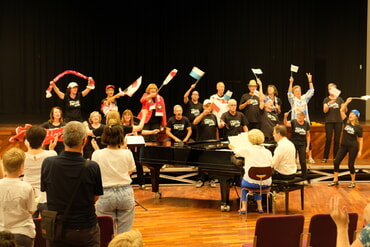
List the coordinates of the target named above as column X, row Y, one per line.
column 116, row 42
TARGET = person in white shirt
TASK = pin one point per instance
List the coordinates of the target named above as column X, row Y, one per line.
column 116, row 164
column 35, row 155
column 283, row 160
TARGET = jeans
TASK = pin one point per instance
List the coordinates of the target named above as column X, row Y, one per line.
column 246, row 184
column 118, row 202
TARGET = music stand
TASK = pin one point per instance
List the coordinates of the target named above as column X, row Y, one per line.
column 132, row 142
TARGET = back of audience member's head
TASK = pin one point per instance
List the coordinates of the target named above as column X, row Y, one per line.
column 280, row 129
column 131, row 238
column 35, row 136
column 113, row 133
column 74, row 134
column 7, row 239
column 13, row 159
column 113, row 114
column 256, row 137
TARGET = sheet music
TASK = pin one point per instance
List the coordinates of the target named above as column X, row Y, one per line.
column 135, row 140
column 240, row 140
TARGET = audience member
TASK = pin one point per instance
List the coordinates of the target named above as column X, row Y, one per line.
column 17, row 200
column 192, row 108
column 339, row 214
column 72, row 100
column 178, row 126
column 300, row 136
column 116, row 165
column 207, row 126
column 234, row 121
column 283, row 160
column 59, row 175
column 352, row 143
column 249, row 105
column 131, row 238
column 254, row 156
column 35, row 155
column 55, row 121
column 333, row 121
column 156, row 111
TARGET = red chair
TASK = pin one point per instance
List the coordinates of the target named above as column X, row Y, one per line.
column 322, row 231
column 106, row 229
column 279, row 231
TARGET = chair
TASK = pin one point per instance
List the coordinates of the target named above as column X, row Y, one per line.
column 322, row 231
column 39, row 240
column 260, row 173
column 279, row 231
column 106, row 229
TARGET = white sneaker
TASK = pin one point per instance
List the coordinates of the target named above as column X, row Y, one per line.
column 311, row 161
column 199, row 184
column 212, row 183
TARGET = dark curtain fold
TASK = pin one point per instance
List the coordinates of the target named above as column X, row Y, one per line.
column 116, row 44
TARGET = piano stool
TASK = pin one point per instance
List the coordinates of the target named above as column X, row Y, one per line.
column 287, row 186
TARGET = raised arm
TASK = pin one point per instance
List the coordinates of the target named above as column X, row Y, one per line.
column 187, row 93
column 285, row 120
column 56, row 90
column 309, row 78
column 343, row 108
column 89, row 87
column 291, row 80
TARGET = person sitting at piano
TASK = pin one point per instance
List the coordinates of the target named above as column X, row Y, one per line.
column 283, row 160
column 254, row 156
column 178, row 126
column 207, row 130
column 233, row 121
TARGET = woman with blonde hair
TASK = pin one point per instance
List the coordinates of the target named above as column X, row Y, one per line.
column 352, row 142
column 254, row 155
column 155, row 105
column 131, row 238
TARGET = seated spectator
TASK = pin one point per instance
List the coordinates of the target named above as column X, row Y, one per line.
column 131, row 238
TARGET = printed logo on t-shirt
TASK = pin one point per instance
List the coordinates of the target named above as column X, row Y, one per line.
column 254, row 102
column 74, row 103
column 194, row 112
column 235, row 123
column 300, row 131
column 349, row 129
column 209, row 122
column 178, row 126
column 271, row 117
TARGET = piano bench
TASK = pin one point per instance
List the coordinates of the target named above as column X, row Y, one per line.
column 287, row 186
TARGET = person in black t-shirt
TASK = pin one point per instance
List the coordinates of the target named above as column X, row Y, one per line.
column 72, row 100
column 249, row 105
column 233, row 121
column 192, row 108
column 352, row 142
column 207, row 130
column 178, row 127
column 300, row 136
column 333, row 120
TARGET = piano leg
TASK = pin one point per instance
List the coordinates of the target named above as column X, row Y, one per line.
column 154, row 176
column 225, row 193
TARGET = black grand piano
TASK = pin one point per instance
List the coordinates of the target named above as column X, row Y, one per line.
column 213, row 157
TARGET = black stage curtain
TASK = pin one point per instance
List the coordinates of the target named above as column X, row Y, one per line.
column 116, row 42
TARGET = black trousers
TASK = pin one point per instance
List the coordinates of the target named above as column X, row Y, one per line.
column 330, row 129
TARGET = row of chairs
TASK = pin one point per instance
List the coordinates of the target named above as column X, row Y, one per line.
column 287, row 231
column 106, row 231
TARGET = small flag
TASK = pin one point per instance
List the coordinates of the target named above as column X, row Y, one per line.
column 216, row 105
column 196, row 73
column 228, row 95
column 257, row 71
column 294, row 68
column 132, row 88
column 170, row 76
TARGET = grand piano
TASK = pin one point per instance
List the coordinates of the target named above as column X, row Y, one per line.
column 213, row 157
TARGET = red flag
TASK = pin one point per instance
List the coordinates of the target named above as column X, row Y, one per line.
column 132, row 88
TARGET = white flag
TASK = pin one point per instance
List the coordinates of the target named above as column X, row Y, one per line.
column 294, row 68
